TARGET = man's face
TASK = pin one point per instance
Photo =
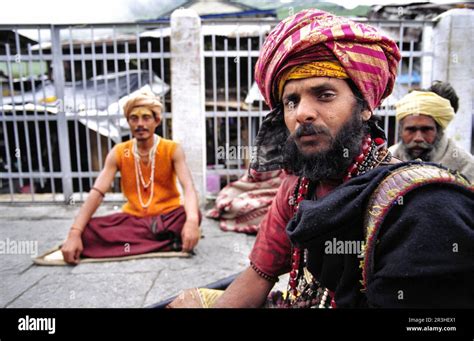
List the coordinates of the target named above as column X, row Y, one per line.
column 326, row 125
column 319, row 106
column 418, row 133
column 142, row 123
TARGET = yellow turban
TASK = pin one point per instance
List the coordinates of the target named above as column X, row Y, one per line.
column 425, row 103
column 313, row 69
column 144, row 99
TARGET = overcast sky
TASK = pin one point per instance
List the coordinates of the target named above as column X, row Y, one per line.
column 95, row 11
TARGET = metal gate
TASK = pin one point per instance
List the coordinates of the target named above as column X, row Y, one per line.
column 61, row 99
column 62, row 88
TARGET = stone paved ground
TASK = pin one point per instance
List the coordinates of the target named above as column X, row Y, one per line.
column 127, row 284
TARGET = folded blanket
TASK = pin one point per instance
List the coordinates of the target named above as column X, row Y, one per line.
column 241, row 205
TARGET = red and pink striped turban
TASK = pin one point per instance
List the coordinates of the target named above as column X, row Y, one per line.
column 369, row 58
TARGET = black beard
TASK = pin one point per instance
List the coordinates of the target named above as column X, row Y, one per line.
column 332, row 163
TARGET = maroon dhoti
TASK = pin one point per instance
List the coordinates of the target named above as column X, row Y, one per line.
column 122, row 234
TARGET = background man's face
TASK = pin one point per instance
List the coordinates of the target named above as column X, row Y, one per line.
column 142, row 123
column 323, row 102
column 418, row 133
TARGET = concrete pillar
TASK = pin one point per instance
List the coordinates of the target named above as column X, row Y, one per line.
column 453, row 38
column 427, row 58
column 187, row 92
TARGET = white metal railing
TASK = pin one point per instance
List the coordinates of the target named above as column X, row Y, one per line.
column 60, row 101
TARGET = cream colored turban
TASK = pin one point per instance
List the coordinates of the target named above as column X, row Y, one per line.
column 144, row 99
column 425, row 103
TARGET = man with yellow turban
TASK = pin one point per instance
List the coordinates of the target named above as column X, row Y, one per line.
column 423, row 117
column 349, row 223
column 153, row 218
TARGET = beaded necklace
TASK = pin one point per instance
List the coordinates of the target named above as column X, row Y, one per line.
column 304, row 290
column 139, row 174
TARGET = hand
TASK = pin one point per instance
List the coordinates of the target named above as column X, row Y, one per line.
column 190, row 235
column 72, row 247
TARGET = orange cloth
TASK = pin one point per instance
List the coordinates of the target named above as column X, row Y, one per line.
column 166, row 196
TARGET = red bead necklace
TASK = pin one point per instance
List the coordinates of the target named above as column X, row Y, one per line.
column 359, row 166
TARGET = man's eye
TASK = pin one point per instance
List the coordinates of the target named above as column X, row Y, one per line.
column 327, row 95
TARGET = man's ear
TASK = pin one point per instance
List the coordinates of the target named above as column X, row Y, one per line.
column 366, row 114
column 157, row 119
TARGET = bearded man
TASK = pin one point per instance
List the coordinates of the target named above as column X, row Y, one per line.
column 323, row 76
column 153, row 218
column 423, row 117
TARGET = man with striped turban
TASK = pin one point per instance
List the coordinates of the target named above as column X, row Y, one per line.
column 323, row 76
column 153, row 218
column 423, row 117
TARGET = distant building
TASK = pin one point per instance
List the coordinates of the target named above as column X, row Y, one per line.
column 413, row 11
column 221, row 9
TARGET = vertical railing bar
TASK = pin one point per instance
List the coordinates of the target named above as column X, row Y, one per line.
column 163, row 96
column 116, row 69
column 46, row 123
column 401, row 32
column 107, row 100
column 150, row 72
column 226, row 94
column 410, row 64
column 7, row 147
column 25, row 123
column 127, row 75
column 76, row 117
column 249, row 87
column 150, row 79
column 139, row 60
column 214, row 97
column 127, row 67
column 35, row 113
column 12, row 95
column 400, row 48
column 260, row 104
column 237, row 48
column 86, row 99
column 117, row 88
column 94, row 76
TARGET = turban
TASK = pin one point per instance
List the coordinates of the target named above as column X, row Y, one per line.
column 369, row 58
column 143, row 99
column 425, row 103
column 313, row 43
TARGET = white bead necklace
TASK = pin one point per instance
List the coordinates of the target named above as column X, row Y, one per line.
column 138, row 170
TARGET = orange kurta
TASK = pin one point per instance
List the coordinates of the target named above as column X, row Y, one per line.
column 166, row 196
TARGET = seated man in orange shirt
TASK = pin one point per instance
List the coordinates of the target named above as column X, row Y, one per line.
column 152, row 218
